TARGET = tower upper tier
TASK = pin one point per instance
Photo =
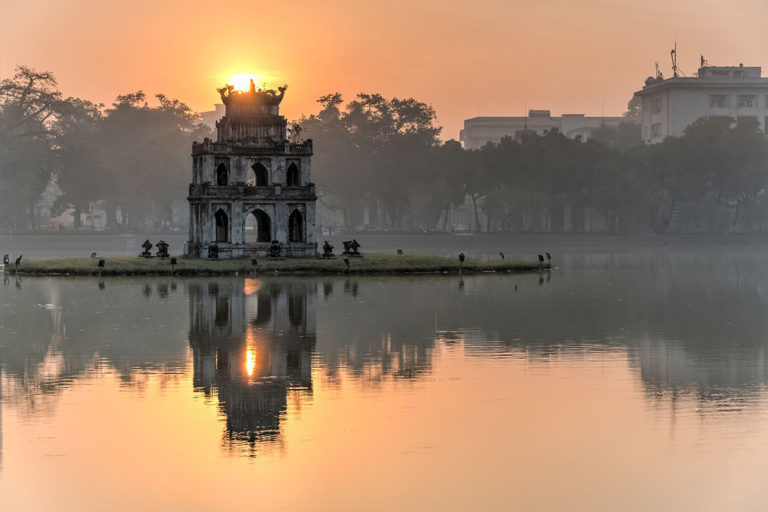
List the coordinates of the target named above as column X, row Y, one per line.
column 252, row 116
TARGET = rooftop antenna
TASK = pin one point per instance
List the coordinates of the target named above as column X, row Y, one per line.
column 602, row 121
column 525, row 115
column 673, row 54
column 658, row 71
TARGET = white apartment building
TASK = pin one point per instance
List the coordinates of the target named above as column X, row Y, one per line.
column 669, row 106
column 479, row 131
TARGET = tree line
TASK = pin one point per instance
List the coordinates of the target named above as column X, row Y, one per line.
column 380, row 164
column 131, row 157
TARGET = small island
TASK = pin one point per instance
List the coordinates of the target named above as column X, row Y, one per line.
column 374, row 264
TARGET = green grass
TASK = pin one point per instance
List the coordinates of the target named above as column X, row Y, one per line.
column 368, row 264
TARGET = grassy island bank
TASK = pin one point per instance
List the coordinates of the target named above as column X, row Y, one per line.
column 368, row 264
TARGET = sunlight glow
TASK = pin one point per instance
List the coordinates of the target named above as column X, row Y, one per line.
column 250, row 353
column 242, row 81
column 250, row 361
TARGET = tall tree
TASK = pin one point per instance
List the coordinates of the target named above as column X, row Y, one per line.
column 29, row 104
column 81, row 159
column 147, row 164
column 370, row 155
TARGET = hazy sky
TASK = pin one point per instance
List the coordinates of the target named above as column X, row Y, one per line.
column 495, row 57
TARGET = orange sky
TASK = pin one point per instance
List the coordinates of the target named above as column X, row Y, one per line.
column 497, row 56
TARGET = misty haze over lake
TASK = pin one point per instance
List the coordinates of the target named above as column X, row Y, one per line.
column 180, row 329
column 644, row 357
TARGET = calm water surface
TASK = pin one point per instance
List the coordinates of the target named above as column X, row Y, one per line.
column 623, row 380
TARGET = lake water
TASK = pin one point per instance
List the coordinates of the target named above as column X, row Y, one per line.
column 632, row 377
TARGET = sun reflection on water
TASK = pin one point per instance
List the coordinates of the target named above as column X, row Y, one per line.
column 251, row 286
column 250, row 354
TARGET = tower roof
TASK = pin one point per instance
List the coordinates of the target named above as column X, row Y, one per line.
column 252, row 101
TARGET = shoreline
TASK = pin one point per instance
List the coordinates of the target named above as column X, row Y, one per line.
column 368, row 264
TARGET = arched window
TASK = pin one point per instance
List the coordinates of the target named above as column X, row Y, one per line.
column 221, row 175
column 222, row 226
column 295, row 227
column 292, row 178
column 260, row 175
column 258, row 227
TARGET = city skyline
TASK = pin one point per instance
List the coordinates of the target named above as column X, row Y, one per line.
column 493, row 58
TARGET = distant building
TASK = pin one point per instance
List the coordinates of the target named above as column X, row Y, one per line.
column 670, row 106
column 210, row 117
column 479, row 131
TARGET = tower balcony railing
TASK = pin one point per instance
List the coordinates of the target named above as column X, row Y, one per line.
column 276, row 191
column 252, row 147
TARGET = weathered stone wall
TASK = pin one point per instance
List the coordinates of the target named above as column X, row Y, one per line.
column 237, row 193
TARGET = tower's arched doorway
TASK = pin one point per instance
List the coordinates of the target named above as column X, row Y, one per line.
column 258, row 227
column 222, row 226
column 258, row 175
column 292, row 177
column 222, row 177
column 296, row 227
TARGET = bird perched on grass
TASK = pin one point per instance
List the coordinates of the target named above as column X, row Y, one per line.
column 502, row 255
column 18, row 260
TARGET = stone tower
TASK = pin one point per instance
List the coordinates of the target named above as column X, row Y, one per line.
column 252, row 187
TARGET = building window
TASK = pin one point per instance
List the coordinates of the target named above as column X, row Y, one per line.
column 656, row 130
column 260, row 176
column 746, row 100
column 717, row 100
column 222, row 226
column 292, row 177
column 656, row 105
column 221, row 175
column 295, row 227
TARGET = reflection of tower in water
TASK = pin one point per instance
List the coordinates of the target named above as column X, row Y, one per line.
column 252, row 344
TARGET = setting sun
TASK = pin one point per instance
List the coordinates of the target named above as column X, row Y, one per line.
column 242, row 81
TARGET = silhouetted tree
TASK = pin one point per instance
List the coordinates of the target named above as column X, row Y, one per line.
column 29, row 104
